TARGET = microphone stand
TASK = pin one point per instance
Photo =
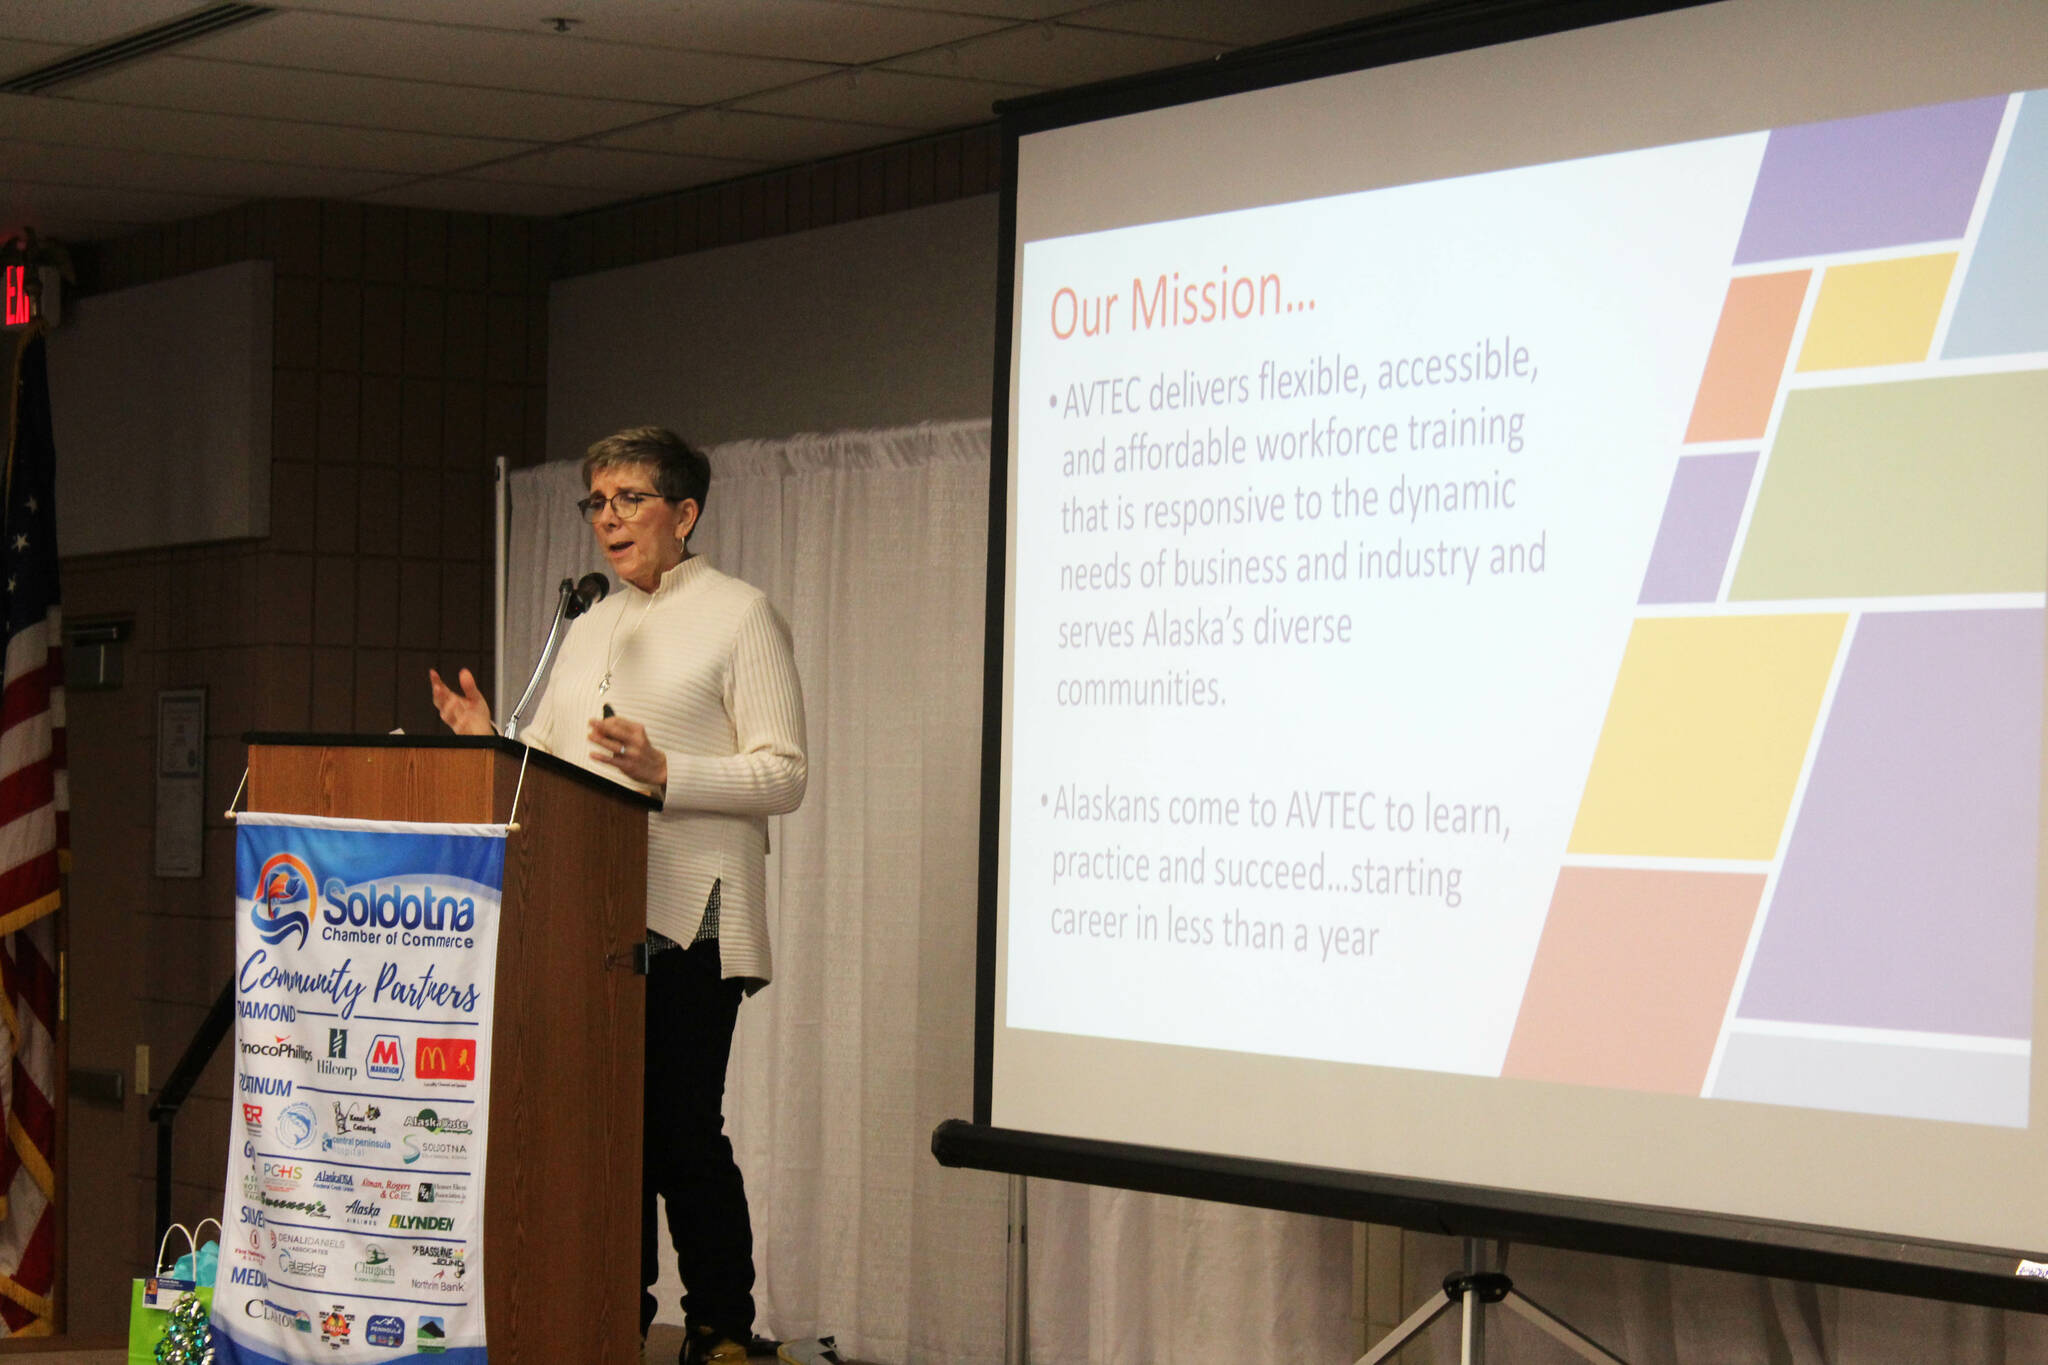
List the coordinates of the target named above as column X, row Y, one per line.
column 572, row 599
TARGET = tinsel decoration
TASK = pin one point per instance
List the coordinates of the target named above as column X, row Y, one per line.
column 187, row 1340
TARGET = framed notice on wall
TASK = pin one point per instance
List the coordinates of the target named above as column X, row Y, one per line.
column 180, row 780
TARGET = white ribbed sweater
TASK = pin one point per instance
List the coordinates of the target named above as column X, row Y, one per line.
column 705, row 664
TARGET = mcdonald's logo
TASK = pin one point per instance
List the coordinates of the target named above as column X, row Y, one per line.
column 445, row 1059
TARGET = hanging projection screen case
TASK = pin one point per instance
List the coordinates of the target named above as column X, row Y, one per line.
column 1515, row 658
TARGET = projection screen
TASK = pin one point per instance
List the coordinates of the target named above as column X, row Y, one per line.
column 1516, row 662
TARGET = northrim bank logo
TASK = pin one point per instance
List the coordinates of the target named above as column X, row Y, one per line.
column 284, row 891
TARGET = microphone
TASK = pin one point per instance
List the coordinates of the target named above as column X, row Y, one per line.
column 572, row 599
column 588, row 592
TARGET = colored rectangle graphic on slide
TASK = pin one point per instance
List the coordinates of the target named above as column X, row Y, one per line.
column 2003, row 306
column 1907, row 489
column 1632, row 978
column 1705, row 736
column 1877, row 312
column 1907, row 897
column 1747, row 359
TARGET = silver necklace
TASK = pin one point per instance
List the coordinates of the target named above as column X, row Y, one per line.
column 612, row 656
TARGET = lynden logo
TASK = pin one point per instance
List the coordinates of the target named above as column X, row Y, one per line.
column 445, row 1059
column 386, row 1060
column 337, row 1043
column 285, row 890
column 267, row 1011
column 421, row 1222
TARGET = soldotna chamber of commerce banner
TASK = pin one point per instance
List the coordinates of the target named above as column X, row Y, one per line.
column 365, row 954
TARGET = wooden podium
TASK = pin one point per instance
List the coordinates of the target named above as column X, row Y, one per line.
column 562, row 1173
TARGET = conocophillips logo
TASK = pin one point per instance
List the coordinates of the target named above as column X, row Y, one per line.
column 275, row 902
column 280, row 1046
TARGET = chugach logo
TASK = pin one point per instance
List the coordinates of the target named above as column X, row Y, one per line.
column 284, row 891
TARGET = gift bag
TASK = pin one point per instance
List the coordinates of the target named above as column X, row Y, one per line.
column 167, row 1311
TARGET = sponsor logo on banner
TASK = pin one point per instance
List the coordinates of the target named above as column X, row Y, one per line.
column 375, row 1267
column 252, row 1119
column 297, row 1126
column 445, row 1059
column 312, row 1208
column 294, row 1239
column 334, row 1326
column 269, row 1011
column 416, row 1148
column 438, row 1123
column 444, row 1191
column 421, row 1222
column 281, row 1045
column 276, row 1086
column 385, row 1188
column 339, row 1182
column 384, row 1330
column 263, row 1310
column 292, row 1265
column 386, row 1058
column 432, row 1336
column 442, row 1281
column 284, row 892
column 338, row 1070
column 362, row 1212
column 333, row 1144
column 355, row 1117
column 337, row 1043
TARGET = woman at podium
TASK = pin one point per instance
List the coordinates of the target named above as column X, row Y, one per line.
column 684, row 685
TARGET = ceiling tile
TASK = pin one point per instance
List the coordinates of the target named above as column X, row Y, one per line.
column 1000, row 9
column 1231, row 21
column 775, row 139
column 1053, row 56
column 362, row 101
column 169, row 173
column 495, row 58
column 84, row 23
column 491, row 196
column 901, row 99
column 625, row 174
column 83, row 123
column 815, row 30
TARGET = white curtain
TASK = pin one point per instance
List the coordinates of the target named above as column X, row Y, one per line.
column 873, row 546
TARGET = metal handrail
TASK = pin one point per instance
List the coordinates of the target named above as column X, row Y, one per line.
column 177, row 1087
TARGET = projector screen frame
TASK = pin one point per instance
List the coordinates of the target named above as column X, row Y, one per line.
column 1850, row 1258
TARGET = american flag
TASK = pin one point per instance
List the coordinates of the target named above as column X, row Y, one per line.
column 35, row 851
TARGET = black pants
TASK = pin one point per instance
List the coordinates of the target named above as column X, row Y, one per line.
column 686, row 1157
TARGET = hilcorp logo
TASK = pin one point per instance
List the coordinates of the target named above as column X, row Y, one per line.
column 396, row 906
column 275, row 908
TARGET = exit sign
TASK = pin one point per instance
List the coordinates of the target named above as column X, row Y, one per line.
column 16, row 308
column 18, row 311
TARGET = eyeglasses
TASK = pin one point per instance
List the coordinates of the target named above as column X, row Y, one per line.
column 627, row 505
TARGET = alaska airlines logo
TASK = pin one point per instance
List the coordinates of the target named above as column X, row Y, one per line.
column 285, row 889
